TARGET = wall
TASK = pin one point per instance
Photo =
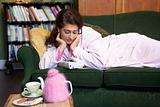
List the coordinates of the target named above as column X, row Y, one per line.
column 96, row 7
column 106, row 7
column 124, row 6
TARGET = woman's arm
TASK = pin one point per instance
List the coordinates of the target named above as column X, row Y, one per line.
column 62, row 44
column 91, row 58
column 91, row 48
column 50, row 58
column 53, row 54
column 75, row 43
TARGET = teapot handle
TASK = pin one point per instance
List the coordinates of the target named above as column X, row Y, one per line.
column 71, row 88
column 42, row 82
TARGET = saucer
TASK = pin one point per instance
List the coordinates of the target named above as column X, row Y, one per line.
column 37, row 94
column 27, row 101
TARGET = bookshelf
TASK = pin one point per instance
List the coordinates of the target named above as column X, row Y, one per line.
column 23, row 16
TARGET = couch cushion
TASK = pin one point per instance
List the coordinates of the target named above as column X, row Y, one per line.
column 132, row 77
column 78, row 77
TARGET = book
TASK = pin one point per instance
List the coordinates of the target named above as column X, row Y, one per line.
column 71, row 64
column 49, row 13
column 25, row 33
column 42, row 15
column 14, row 18
column 9, row 15
column 26, row 11
column 22, row 16
column 17, row 13
column 54, row 10
column 31, row 16
column 11, row 33
column 33, row 10
column 58, row 8
column 12, row 54
column 19, row 33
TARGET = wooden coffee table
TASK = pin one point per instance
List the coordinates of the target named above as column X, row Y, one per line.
column 67, row 103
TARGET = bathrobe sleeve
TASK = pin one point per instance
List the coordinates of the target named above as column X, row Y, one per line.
column 52, row 57
column 91, row 48
column 90, row 59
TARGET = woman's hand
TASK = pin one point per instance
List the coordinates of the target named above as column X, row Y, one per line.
column 74, row 43
column 62, row 43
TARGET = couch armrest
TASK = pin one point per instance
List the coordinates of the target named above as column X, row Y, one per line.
column 29, row 58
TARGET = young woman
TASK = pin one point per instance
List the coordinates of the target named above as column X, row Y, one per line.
column 70, row 39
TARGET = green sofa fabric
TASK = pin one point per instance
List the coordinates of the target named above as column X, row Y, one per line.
column 132, row 77
column 115, row 87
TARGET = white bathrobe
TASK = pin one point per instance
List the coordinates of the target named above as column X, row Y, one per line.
column 127, row 49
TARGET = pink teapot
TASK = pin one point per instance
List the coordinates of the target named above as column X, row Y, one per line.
column 55, row 86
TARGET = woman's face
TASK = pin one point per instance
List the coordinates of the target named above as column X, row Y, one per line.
column 69, row 33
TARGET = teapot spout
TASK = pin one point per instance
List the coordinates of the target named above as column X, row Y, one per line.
column 42, row 82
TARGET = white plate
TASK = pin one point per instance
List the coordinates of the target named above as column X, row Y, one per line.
column 27, row 101
column 37, row 94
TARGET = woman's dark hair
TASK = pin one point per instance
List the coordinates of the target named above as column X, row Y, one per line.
column 65, row 16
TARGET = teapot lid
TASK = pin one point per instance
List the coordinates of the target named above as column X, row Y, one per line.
column 52, row 72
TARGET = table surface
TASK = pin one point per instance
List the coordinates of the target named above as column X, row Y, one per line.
column 67, row 103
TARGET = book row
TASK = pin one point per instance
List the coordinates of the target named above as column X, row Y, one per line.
column 22, row 33
column 21, row 13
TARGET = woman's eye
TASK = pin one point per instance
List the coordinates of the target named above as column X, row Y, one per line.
column 67, row 32
column 76, row 32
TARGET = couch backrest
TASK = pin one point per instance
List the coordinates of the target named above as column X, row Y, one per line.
column 144, row 22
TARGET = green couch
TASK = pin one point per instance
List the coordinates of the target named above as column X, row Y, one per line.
column 115, row 87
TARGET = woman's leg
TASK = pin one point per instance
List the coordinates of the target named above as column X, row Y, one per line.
column 148, row 51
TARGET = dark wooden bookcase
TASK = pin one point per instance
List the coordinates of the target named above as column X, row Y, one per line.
column 19, row 19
